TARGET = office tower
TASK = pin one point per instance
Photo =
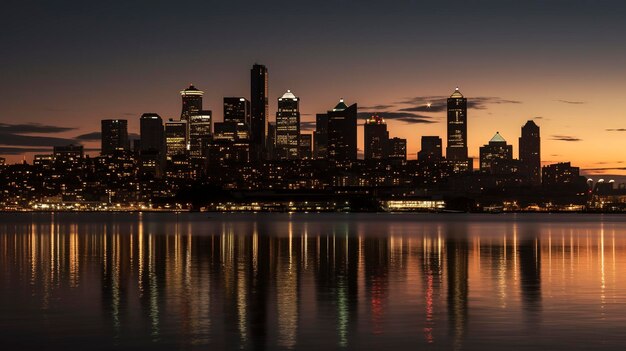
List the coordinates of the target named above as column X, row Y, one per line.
column 237, row 109
column 227, row 146
column 151, row 133
column 152, row 153
column 192, row 102
column 306, row 142
column 342, row 132
column 456, row 150
column 287, row 127
column 258, row 108
column 175, row 138
column 114, row 136
column 271, row 140
column 2, row 161
column 376, row 138
column 396, row 149
column 496, row 150
column 200, row 131
column 530, row 151
column 320, row 137
column 430, row 149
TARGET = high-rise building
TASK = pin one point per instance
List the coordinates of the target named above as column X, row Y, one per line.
column 2, row 161
column 342, row 122
column 306, row 142
column 320, row 137
column 237, row 109
column 114, row 136
column 430, row 149
column 496, row 150
column 456, row 150
column 175, row 138
column 192, row 102
column 258, row 108
column 271, row 140
column 200, row 131
column 151, row 133
column 376, row 138
column 396, row 149
column 152, row 144
column 530, row 151
column 288, row 127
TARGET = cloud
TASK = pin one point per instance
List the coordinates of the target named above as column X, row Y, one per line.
column 616, row 130
column 307, row 125
column 433, row 103
column 564, row 138
column 28, row 140
column 32, row 128
column 400, row 116
column 89, row 136
column 571, row 102
column 376, row 107
column 605, row 169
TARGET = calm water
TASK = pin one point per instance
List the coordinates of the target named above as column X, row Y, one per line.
column 329, row 281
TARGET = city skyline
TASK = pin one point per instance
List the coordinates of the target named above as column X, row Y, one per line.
column 552, row 63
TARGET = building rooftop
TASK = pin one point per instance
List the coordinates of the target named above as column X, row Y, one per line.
column 497, row 138
column 288, row 95
column 192, row 91
column 457, row 94
column 340, row 106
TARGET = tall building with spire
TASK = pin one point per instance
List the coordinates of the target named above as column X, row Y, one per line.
column 258, row 109
column 288, row 127
column 456, row 150
column 342, row 121
column 530, row 151
column 375, row 138
column 192, row 102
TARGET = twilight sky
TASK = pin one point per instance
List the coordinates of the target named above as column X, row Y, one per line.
column 68, row 64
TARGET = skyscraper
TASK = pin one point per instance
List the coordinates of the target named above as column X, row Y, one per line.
column 496, row 150
column 396, row 149
column 200, row 131
column 152, row 153
column 456, row 150
column 258, row 108
column 175, row 138
column 192, row 102
column 237, row 109
column 530, row 151
column 376, row 138
column 306, row 141
column 114, row 136
column 342, row 132
column 320, row 137
column 151, row 133
column 288, row 127
column 430, row 149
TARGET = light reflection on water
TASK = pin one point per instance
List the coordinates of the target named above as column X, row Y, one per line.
column 191, row 281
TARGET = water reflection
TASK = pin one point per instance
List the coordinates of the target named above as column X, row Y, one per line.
column 278, row 282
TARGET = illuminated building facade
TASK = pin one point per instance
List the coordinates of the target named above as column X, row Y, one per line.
column 306, row 143
column 192, row 102
column 200, row 131
column 456, row 150
column 175, row 138
column 287, row 127
column 496, row 150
